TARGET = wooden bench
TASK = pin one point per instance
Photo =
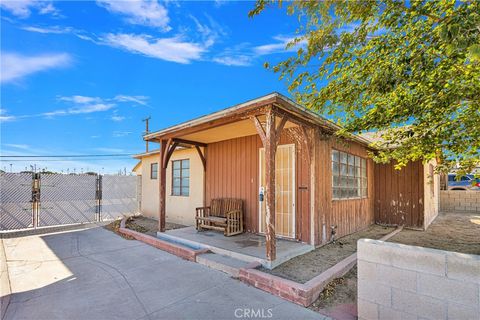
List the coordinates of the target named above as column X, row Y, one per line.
column 223, row 214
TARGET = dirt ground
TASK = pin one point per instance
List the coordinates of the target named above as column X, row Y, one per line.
column 452, row 232
column 149, row 226
column 141, row 224
column 307, row 266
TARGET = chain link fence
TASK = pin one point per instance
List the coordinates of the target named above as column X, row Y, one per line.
column 39, row 200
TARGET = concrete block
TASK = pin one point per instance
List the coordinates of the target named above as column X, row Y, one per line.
column 367, row 270
column 367, row 310
column 461, row 312
column 423, row 306
column 375, row 292
column 448, row 289
column 463, row 267
column 391, row 314
column 397, row 278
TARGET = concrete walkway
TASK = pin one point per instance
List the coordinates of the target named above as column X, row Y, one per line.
column 95, row 274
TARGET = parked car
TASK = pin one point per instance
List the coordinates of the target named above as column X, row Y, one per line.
column 467, row 182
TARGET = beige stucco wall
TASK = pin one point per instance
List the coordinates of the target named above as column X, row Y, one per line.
column 182, row 209
column 431, row 189
column 179, row 209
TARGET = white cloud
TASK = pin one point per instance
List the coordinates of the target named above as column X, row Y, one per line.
column 82, row 109
column 279, row 46
column 7, row 118
column 47, row 30
column 117, row 118
column 16, row 66
column 136, row 99
column 23, row 8
column 119, row 134
column 18, row 146
column 170, row 49
column 141, row 12
column 234, row 60
column 80, row 99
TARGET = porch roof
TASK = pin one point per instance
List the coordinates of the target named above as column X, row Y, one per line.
column 229, row 122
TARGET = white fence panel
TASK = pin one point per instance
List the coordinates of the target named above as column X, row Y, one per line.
column 15, row 201
column 119, row 196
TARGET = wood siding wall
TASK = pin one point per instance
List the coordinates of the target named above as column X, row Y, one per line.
column 233, row 171
column 399, row 196
column 349, row 215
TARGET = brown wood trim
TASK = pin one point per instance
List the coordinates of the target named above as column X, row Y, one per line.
column 162, row 187
column 202, row 157
column 169, row 153
column 260, row 129
column 193, row 143
column 308, row 140
column 279, row 128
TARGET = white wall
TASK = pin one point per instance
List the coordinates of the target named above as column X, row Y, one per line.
column 397, row 281
column 431, row 190
column 179, row 209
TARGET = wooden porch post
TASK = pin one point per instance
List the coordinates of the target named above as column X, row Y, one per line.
column 270, row 151
column 162, row 185
column 270, row 136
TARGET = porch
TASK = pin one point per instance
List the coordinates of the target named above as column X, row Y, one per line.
column 247, row 247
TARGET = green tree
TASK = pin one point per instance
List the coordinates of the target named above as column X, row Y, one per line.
column 407, row 70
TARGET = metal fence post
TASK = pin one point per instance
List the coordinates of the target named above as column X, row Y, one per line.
column 99, row 197
column 35, row 199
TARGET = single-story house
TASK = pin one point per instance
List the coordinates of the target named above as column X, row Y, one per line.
column 296, row 178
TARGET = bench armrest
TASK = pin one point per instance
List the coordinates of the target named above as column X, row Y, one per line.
column 202, row 211
column 233, row 215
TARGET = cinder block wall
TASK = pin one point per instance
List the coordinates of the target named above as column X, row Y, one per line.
column 460, row 201
column 405, row 282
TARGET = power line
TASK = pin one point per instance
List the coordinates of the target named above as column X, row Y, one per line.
column 49, row 160
column 71, row 156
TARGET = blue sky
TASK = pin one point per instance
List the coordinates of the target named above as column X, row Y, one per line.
column 79, row 77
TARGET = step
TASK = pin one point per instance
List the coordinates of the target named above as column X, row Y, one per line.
column 222, row 263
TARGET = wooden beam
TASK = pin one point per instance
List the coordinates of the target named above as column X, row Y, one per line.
column 270, row 152
column 169, row 153
column 202, row 157
column 193, row 143
column 167, row 147
column 162, row 181
column 307, row 141
column 279, row 128
column 260, row 130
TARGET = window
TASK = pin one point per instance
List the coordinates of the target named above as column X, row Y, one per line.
column 154, row 171
column 181, row 177
column 349, row 176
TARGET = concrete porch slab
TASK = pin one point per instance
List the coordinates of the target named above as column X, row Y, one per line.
column 247, row 246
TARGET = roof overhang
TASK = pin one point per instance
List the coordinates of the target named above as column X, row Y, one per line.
column 234, row 118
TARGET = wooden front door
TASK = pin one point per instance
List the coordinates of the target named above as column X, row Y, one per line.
column 284, row 191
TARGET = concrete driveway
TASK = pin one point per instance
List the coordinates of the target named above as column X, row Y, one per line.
column 95, row 274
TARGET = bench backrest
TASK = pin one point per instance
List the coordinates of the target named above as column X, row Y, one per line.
column 219, row 207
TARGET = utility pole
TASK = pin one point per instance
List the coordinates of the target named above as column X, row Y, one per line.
column 146, row 131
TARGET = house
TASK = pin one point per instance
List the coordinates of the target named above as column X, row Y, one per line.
column 313, row 184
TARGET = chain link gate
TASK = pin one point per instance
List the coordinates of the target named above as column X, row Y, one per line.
column 38, row 200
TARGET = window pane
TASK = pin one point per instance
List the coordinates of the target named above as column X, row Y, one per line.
column 335, row 155
column 176, row 173
column 336, row 193
column 335, row 168
column 185, row 163
column 185, row 172
column 343, row 157
column 336, row 181
column 344, row 182
column 343, row 169
column 364, row 172
column 185, row 191
column 176, row 191
column 351, row 159
column 357, row 161
column 176, row 182
column 351, row 171
column 185, row 182
column 364, row 163
column 343, row 193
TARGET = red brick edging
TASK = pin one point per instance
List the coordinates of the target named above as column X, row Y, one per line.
column 180, row 251
column 300, row 293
